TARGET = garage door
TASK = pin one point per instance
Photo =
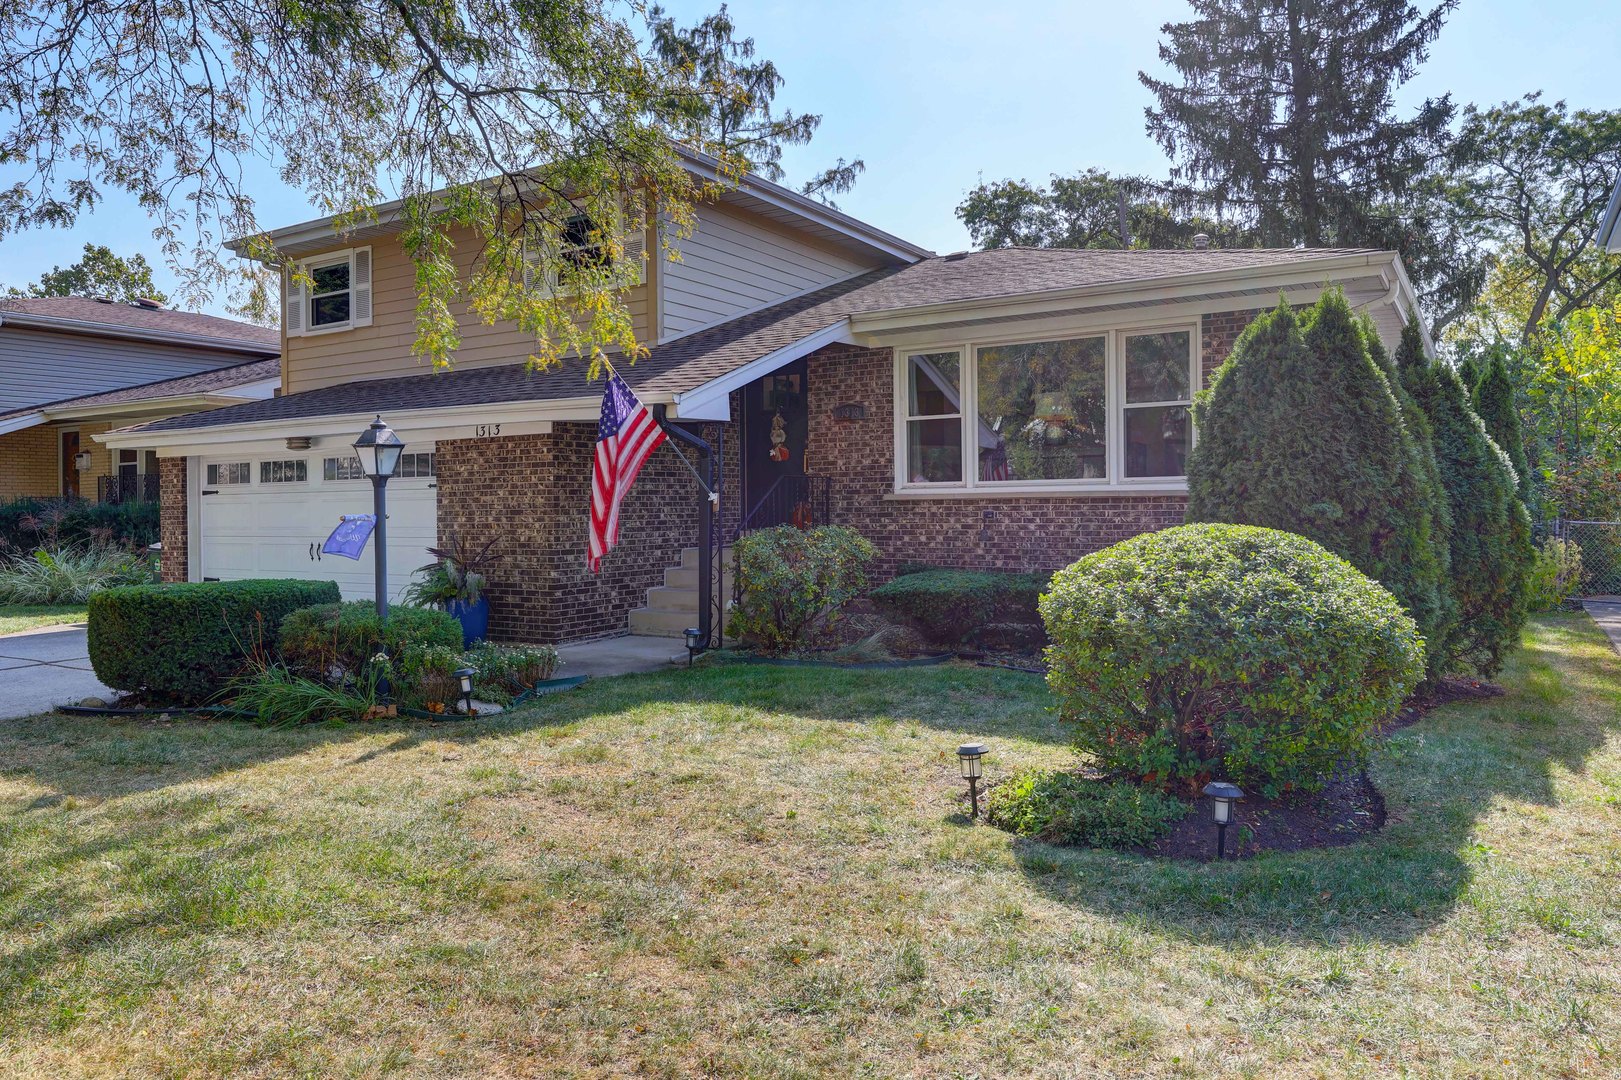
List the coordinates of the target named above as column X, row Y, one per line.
column 268, row 517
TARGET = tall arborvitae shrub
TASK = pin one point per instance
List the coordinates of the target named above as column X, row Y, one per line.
column 1492, row 552
column 1300, row 431
column 1494, row 401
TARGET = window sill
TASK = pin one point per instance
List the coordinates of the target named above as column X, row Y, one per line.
column 1101, row 492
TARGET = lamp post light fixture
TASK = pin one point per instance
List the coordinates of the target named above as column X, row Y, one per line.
column 969, row 756
column 695, row 642
column 379, row 449
column 466, row 676
column 1222, row 796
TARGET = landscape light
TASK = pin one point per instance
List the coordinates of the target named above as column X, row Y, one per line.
column 695, row 642
column 968, row 756
column 466, row 676
column 1222, row 796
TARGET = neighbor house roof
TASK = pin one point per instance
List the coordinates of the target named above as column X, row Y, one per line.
column 87, row 315
column 205, row 388
column 686, row 363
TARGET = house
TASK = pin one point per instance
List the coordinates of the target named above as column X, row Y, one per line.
column 1609, row 228
column 72, row 368
column 1010, row 408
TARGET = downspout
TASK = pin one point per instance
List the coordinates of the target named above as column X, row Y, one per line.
column 709, row 484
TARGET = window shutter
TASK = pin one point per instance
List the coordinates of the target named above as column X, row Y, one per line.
column 635, row 258
column 292, row 302
column 360, row 285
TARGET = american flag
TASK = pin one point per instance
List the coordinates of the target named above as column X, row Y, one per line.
column 626, row 437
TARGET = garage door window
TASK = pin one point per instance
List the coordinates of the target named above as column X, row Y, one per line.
column 232, row 472
column 283, row 472
column 342, row 468
column 417, row 465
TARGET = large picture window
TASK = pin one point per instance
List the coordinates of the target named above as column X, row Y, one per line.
column 1101, row 409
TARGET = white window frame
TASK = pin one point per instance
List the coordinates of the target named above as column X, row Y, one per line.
column 1114, row 395
column 298, row 302
column 633, row 261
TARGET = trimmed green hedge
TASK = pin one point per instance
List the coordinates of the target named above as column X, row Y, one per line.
column 319, row 640
column 952, row 606
column 183, row 642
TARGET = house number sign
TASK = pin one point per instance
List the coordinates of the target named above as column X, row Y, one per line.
column 486, row 431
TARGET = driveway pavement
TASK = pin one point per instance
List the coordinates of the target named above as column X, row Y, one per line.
column 1606, row 611
column 42, row 669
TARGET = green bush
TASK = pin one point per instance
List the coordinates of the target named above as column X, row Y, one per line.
column 1301, row 431
column 28, row 523
column 1225, row 650
column 512, row 668
column 1493, row 399
column 1065, row 808
column 1555, row 575
column 278, row 697
column 792, row 579
column 1491, row 549
column 952, row 606
column 70, row 575
column 339, row 639
column 183, row 643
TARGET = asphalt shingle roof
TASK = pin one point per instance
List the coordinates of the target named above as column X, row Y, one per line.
column 689, row 362
column 215, row 381
column 132, row 319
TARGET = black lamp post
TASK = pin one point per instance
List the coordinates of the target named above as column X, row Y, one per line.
column 968, row 756
column 1222, row 796
column 466, row 676
column 379, row 451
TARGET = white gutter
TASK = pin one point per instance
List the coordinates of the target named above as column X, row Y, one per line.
column 135, row 333
column 711, row 400
column 21, row 422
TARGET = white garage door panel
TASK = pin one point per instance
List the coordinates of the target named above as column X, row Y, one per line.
column 270, row 530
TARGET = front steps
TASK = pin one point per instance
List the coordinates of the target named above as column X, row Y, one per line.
column 673, row 606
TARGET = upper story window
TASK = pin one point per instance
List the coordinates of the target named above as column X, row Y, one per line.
column 337, row 295
column 1102, row 409
column 582, row 250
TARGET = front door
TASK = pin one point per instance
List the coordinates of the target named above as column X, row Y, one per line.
column 776, row 424
column 70, row 468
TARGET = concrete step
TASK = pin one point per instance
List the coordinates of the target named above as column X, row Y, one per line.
column 686, row 577
column 689, row 556
column 656, row 623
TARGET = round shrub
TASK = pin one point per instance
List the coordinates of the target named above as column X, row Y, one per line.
column 1225, row 650
column 792, row 579
column 328, row 638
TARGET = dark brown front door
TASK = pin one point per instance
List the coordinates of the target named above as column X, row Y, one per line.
column 776, row 424
column 70, row 470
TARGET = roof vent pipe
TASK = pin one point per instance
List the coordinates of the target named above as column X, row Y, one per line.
column 1201, row 241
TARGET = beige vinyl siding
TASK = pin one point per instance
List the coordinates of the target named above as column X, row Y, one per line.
column 736, row 262
column 383, row 349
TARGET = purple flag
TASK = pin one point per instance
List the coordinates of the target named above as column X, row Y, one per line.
column 349, row 538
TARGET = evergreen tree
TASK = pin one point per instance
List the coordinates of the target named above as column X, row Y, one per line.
column 1494, row 401
column 1282, row 112
column 1300, row 431
column 1491, row 530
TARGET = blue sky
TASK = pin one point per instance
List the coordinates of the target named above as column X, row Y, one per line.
column 936, row 95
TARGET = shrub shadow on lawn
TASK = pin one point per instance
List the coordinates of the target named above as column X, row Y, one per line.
column 1439, row 777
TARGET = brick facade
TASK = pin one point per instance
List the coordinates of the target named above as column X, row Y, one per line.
column 172, row 517
column 31, row 460
column 993, row 531
column 532, row 493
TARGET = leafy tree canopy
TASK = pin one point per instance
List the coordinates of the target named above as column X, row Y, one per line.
column 742, row 119
column 100, row 273
column 1282, row 114
column 497, row 121
column 1083, row 211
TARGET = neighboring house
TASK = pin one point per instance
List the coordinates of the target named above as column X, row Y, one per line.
column 72, row 368
column 1011, row 408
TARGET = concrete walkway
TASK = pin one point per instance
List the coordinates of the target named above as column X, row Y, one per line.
column 41, row 669
column 1606, row 611
column 620, row 656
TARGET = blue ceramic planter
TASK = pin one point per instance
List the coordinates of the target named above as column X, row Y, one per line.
column 474, row 617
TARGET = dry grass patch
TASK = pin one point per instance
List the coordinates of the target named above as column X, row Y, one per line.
column 766, row 872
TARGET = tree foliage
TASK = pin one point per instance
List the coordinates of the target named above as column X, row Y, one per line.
column 1300, row 431
column 1491, row 545
column 742, row 119
column 497, row 122
column 1083, row 211
column 1281, row 113
column 1534, row 179
column 1493, row 400
column 99, row 273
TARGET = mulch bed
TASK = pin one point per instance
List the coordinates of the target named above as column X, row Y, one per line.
column 1345, row 811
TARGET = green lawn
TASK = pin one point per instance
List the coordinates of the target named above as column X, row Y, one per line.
column 15, row 618
column 766, row 872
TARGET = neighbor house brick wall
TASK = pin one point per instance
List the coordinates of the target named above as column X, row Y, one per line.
column 172, row 517
column 532, row 494
column 28, row 463
column 1007, row 532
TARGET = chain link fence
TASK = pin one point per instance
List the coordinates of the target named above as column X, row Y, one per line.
column 1600, row 542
